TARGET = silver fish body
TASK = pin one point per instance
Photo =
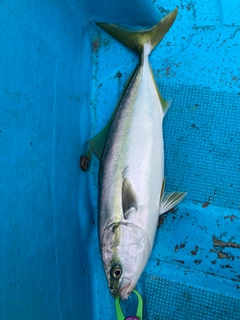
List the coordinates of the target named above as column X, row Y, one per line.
column 134, row 151
column 131, row 178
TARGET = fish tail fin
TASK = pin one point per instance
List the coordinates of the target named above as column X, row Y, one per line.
column 141, row 41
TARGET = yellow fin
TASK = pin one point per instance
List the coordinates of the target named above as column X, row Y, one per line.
column 97, row 142
column 136, row 40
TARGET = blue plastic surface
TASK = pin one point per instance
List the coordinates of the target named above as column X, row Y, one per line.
column 61, row 77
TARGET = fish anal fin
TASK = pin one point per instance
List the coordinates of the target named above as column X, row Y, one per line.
column 170, row 200
column 129, row 198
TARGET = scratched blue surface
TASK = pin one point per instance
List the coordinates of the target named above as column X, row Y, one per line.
column 61, row 77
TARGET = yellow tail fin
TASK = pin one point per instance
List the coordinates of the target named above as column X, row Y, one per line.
column 137, row 40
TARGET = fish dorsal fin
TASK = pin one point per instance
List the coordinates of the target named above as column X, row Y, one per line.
column 129, row 199
column 97, row 143
column 164, row 103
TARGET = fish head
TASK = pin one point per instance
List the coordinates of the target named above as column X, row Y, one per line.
column 125, row 251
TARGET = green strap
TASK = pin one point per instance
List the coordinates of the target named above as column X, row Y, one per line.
column 120, row 315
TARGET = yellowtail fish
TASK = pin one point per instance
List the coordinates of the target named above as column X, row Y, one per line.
column 131, row 178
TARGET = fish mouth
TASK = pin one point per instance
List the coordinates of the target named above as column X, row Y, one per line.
column 125, row 291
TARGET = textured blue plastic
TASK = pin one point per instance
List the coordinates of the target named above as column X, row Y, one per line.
column 205, row 148
column 183, row 302
column 197, row 251
column 61, row 77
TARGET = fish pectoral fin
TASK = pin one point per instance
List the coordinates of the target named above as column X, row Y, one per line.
column 170, row 200
column 129, row 198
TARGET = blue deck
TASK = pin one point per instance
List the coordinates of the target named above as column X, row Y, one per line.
column 61, row 77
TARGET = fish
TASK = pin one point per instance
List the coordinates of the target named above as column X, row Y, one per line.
column 131, row 194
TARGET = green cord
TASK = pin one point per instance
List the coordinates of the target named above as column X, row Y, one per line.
column 120, row 315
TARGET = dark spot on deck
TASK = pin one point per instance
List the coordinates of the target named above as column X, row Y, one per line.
column 223, row 244
column 173, row 210
column 85, row 162
column 222, row 255
column 227, row 266
column 182, row 245
column 194, row 252
column 96, row 45
column 180, row 261
column 118, row 75
column 167, row 71
column 232, row 217
column 160, row 220
column 205, row 204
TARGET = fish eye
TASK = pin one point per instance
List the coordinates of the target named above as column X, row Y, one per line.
column 116, row 272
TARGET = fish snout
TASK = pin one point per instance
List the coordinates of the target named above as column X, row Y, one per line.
column 124, row 294
column 126, row 289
